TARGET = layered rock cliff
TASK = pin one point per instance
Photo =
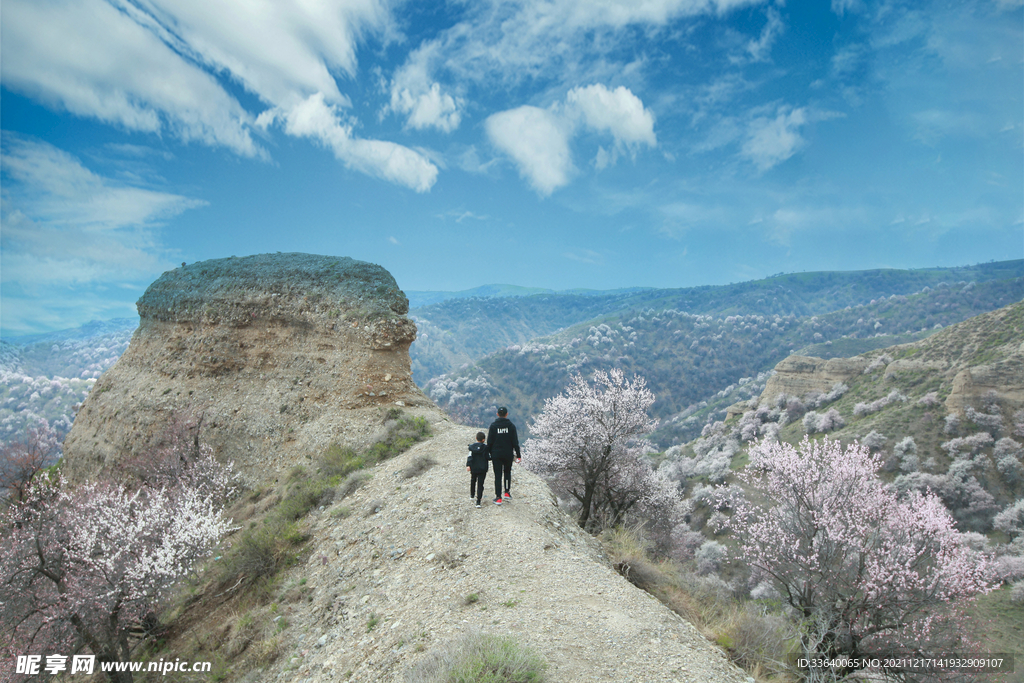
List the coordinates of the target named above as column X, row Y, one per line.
column 978, row 357
column 281, row 355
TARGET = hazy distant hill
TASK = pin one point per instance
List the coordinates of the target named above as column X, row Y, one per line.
column 697, row 364
column 47, row 375
column 419, row 299
column 459, row 331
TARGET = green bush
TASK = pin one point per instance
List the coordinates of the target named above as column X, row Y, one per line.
column 401, row 434
column 400, row 437
column 480, row 658
column 303, row 496
column 339, row 462
column 261, row 552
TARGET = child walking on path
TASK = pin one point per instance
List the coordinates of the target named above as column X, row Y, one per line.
column 476, row 465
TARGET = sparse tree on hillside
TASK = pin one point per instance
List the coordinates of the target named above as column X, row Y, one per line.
column 906, row 451
column 81, row 566
column 1007, row 456
column 866, row 570
column 588, row 442
column 21, row 461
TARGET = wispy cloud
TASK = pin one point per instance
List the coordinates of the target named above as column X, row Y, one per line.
column 152, row 66
column 772, row 140
column 759, row 50
column 65, row 226
column 92, row 60
column 514, row 40
column 586, row 256
column 422, row 100
column 460, row 215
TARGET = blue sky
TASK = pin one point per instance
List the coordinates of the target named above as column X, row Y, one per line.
column 547, row 143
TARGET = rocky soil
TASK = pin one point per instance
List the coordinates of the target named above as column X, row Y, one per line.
column 393, row 567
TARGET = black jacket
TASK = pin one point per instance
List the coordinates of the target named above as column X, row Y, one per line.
column 503, row 440
column 479, row 456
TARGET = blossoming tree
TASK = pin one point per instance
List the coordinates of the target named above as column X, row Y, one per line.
column 81, row 566
column 21, row 460
column 588, row 443
column 865, row 570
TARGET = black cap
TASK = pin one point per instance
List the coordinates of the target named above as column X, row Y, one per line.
column 502, row 410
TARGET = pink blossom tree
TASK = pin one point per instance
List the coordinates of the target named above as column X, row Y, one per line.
column 81, row 566
column 588, row 442
column 865, row 570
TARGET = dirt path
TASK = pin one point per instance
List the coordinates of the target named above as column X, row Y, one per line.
column 392, row 580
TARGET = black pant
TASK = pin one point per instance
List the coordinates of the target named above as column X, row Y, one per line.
column 502, row 474
column 476, row 485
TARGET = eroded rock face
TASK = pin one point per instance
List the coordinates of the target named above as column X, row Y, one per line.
column 1004, row 379
column 800, row 375
column 978, row 359
column 281, row 354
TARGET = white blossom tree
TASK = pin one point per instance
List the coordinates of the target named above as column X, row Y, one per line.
column 866, row 570
column 588, row 442
column 81, row 566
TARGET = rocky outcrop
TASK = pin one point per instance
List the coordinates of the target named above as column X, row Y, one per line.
column 1004, row 380
column 979, row 358
column 281, row 355
column 800, row 375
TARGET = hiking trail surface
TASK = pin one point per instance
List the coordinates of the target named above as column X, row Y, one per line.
column 393, row 567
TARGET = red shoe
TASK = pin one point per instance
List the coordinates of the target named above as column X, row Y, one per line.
column 508, row 496
column 497, row 501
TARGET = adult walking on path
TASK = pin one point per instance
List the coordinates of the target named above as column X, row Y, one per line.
column 503, row 441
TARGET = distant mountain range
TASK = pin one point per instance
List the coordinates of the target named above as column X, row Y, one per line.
column 700, row 348
column 420, row 299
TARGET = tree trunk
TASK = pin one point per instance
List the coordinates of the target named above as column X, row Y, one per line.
column 113, row 676
column 588, row 498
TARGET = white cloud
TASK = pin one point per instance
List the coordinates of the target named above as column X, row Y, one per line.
column 427, row 108
column 146, row 65
column 618, row 112
column 92, row 60
column 840, row 7
column 770, row 141
column 538, row 141
column 65, row 225
column 280, row 50
column 420, row 99
column 314, row 118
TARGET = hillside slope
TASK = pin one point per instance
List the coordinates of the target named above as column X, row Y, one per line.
column 687, row 358
column 391, row 566
column 463, row 330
